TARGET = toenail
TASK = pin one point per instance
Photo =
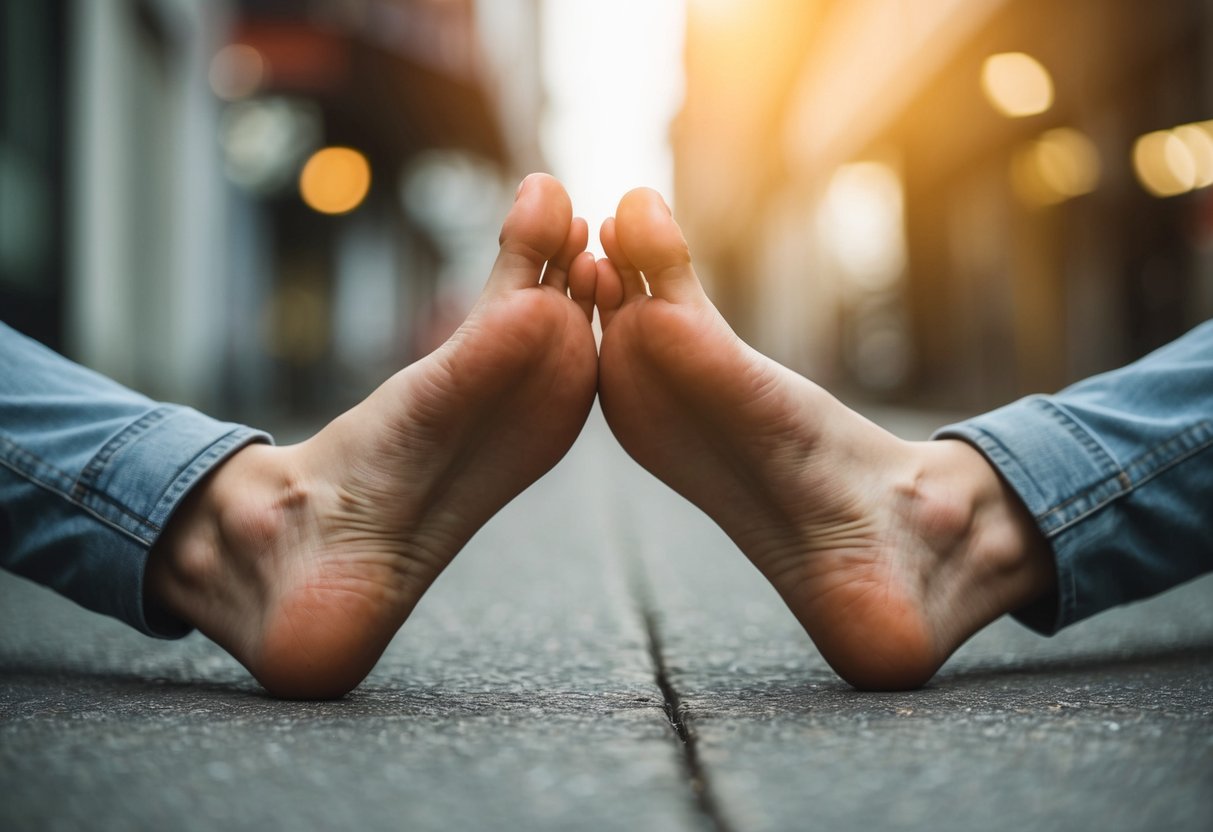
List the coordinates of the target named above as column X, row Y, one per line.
column 522, row 186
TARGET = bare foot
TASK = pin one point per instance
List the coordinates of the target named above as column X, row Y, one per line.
column 303, row 561
column 890, row 553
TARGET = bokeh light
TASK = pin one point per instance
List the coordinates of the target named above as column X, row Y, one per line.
column 1198, row 139
column 335, row 180
column 237, row 71
column 862, row 221
column 1164, row 164
column 1059, row 165
column 265, row 140
column 1017, row 84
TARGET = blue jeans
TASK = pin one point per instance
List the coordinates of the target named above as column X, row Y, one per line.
column 1117, row 471
column 90, row 472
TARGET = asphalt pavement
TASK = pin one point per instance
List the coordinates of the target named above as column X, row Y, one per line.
column 601, row 657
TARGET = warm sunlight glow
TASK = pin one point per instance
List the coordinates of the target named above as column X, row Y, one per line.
column 1017, row 84
column 335, row 180
column 720, row 12
column 614, row 81
column 1164, row 164
column 862, row 222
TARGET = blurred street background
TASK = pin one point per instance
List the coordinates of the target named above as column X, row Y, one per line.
column 264, row 207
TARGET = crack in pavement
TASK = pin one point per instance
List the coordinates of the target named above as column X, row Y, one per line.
column 697, row 778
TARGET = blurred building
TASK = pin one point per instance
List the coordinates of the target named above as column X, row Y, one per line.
column 256, row 204
column 951, row 201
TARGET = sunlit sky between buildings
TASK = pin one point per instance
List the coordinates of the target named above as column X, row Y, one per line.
column 613, row 73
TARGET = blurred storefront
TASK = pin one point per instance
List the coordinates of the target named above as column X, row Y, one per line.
column 256, row 206
column 265, row 206
column 951, row 201
column 32, row 169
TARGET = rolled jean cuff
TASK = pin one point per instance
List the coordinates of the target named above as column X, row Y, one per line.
column 1121, row 526
column 91, row 540
column 1060, row 473
column 194, row 444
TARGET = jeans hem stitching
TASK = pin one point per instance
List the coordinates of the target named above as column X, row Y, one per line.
column 1126, row 484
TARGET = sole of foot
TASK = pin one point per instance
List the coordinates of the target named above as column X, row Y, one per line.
column 890, row 553
column 303, row 561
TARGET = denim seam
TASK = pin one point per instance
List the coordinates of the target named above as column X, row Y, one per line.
column 1095, row 449
column 1054, row 520
column 1153, row 462
column 1003, row 459
column 117, row 442
column 85, row 486
column 196, row 469
column 32, row 467
column 1170, row 453
column 1150, row 464
column 85, row 497
column 64, row 493
column 1089, row 439
column 70, row 488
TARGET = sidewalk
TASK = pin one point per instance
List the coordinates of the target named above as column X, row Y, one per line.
column 601, row 657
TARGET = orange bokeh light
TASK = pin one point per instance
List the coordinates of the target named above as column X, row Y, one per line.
column 335, row 180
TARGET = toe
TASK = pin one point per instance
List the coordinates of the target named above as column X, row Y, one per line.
column 534, row 231
column 650, row 239
column 583, row 280
column 633, row 283
column 556, row 274
column 608, row 291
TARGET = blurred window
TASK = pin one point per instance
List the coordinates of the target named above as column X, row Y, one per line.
column 32, row 168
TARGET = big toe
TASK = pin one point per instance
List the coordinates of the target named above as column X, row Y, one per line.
column 653, row 243
column 533, row 232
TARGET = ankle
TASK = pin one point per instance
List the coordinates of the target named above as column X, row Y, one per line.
column 209, row 556
column 999, row 560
